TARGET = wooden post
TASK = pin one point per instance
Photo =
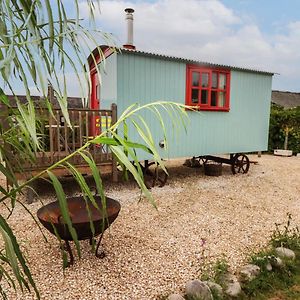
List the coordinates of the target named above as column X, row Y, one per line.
column 114, row 160
column 7, row 149
column 50, row 97
column 3, row 116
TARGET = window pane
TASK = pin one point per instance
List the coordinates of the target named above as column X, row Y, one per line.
column 222, row 81
column 213, row 98
column 204, row 97
column 195, row 96
column 214, row 83
column 196, row 78
column 204, row 82
column 222, row 99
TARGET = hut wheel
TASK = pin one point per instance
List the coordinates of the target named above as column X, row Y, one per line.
column 240, row 164
column 154, row 175
column 203, row 160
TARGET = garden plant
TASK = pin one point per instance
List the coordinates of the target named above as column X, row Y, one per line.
column 284, row 131
column 39, row 46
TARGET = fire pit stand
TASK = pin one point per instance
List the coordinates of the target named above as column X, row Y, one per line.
column 100, row 254
column 81, row 212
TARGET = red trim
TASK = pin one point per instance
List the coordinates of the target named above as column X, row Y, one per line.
column 189, row 87
column 105, row 52
column 98, row 58
column 131, row 47
column 94, row 104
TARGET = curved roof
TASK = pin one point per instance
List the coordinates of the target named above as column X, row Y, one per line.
column 192, row 61
column 103, row 48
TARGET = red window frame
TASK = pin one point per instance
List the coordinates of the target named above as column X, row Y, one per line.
column 207, row 89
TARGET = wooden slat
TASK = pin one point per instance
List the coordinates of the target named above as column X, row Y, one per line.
column 73, row 130
column 57, row 134
column 106, row 147
column 51, row 137
column 70, row 110
column 105, row 168
column 114, row 160
column 80, row 129
column 66, row 135
column 8, row 158
column 86, row 125
column 94, row 120
column 101, row 129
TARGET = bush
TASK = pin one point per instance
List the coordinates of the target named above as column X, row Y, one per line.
column 280, row 121
column 279, row 279
column 286, row 236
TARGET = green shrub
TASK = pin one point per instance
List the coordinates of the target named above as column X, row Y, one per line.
column 286, row 236
column 279, row 279
column 280, row 121
column 220, row 268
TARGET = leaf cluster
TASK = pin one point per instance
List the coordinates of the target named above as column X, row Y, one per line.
column 279, row 278
column 281, row 121
column 39, row 46
column 286, row 235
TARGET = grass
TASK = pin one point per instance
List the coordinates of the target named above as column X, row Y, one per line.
column 280, row 283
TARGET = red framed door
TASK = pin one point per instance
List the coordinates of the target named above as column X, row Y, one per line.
column 95, row 97
column 95, row 125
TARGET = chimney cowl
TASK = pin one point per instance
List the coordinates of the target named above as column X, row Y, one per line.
column 129, row 10
column 129, row 20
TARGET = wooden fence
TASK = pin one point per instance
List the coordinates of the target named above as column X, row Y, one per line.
column 59, row 139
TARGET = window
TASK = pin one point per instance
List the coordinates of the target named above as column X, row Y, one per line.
column 207, row 88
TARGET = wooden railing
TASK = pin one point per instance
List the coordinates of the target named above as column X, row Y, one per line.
column 59, row 138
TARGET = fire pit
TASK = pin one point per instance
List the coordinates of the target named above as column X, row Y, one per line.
column 51, row 218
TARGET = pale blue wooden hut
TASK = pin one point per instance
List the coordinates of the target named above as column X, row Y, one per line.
column 234, row 102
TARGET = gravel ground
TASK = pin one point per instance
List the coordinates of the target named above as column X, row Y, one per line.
column 154, row 252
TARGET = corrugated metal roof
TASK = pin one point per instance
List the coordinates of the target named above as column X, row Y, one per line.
column 192, row 61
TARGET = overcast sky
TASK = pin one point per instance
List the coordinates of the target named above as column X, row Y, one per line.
column 258, row 34
column 262, row 34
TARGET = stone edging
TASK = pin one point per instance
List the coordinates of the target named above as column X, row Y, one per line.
column 232, row 285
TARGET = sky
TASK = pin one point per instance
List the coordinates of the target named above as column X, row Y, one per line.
column 256, row 34
column 259, row 34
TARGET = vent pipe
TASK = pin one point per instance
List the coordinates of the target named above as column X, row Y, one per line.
column 129, row 20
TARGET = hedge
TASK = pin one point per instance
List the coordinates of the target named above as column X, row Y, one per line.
column 282, row 121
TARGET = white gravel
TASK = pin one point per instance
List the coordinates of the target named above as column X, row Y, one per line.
column 152, row 252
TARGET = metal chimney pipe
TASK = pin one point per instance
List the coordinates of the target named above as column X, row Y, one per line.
column 129, row 20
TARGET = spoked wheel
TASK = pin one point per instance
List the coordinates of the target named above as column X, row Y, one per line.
column 154, row 175
column 203, row 160
column 240, row 164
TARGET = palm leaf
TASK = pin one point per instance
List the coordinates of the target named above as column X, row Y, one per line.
column 11, row 256
column 14, row 248
column 98, row 181
column 64, row 209
column 4, row 98
column 149, row 141
column 86, row 194
column 124, row 159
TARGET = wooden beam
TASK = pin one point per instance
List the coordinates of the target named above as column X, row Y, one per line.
column 105, row 169
column 114, row 160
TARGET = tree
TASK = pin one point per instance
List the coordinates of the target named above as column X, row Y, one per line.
column 39, row 43
column 284, row 128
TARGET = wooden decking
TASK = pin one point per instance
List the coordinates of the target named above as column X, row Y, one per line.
column 59, row 139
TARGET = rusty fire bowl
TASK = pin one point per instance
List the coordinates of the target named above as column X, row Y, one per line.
column 50, row 216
